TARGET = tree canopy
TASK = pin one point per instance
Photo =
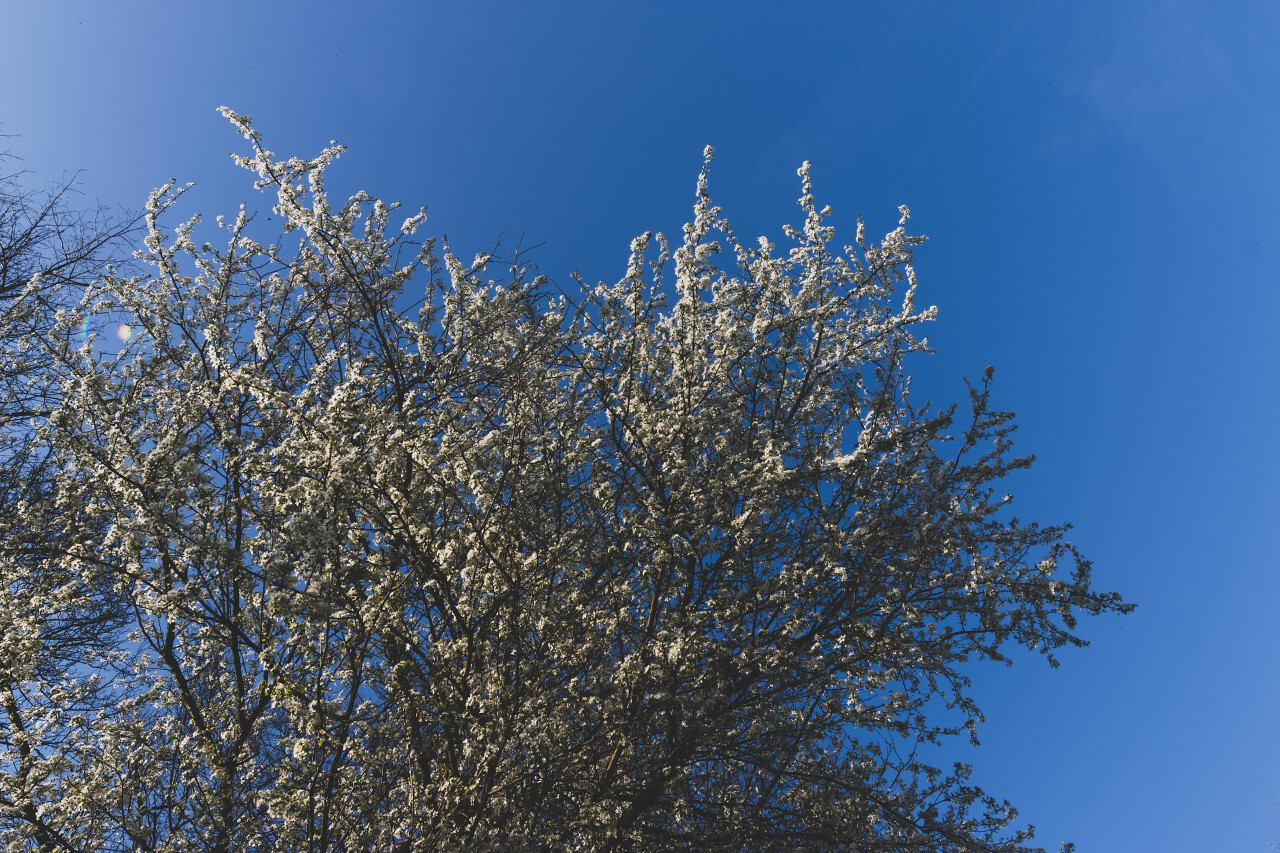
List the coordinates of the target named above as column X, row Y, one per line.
column 351, row 544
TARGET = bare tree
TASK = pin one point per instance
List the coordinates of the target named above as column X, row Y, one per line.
column 50, row 249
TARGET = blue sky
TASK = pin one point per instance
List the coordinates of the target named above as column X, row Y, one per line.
column 1100, row 185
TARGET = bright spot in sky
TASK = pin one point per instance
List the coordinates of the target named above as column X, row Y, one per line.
column 124, row 332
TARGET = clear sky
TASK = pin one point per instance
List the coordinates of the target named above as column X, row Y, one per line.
column 1101, row 187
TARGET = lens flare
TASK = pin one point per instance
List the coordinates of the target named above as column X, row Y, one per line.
column 124, row 332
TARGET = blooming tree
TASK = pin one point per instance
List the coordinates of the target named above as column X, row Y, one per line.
column 52, row 620
column 673, row 563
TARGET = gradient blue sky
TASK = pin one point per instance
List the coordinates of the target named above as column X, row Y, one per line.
column 1100, row 185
